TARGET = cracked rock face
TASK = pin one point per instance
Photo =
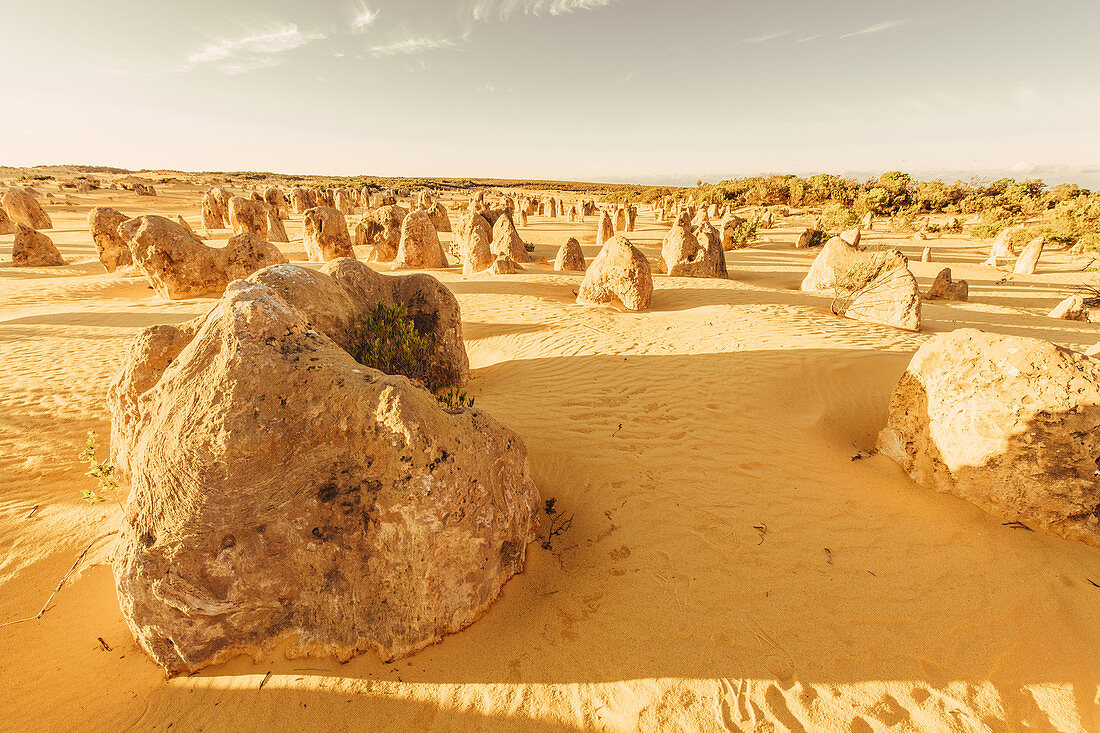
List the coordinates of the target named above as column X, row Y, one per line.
column 1007, row 423
column 280, row 488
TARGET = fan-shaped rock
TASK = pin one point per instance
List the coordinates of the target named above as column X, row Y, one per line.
column 103, row 224
column 281, row 489
column 839, row 262
column 619, row 272
column 570, row 257
column 1005, row 422
column 32, row 248
column 325, row 233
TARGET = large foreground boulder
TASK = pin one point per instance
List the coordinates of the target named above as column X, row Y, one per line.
column 32, row 248
column 325, row 233
column 113, row 251
column 21, row 208
column 179, row 265
column 280, row 489
column 619, row 272
column 1008, row 423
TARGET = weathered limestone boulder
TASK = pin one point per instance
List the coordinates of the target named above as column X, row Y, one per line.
column 551, row 207
column 890, row 298
column 424, row 200
column 677, row 250
column 942, row 288
column 1005, row 422
column 299, row 200
column 1002, row 246
column 619, row 272
column 709, row 260
column 570, row 257
column 838, row 259
column 279, row 489
column 32, row 248
column 767, row 220
column 437, row 212
column 620, row 219
column 248, row 216
column 419, row 247
column 926, row 254
column 103, row 224
column 851, row 236
column 476, row 246
column 631, row 217
column 467, row 221
column 212, row 215
column 179, row 265
column 492, row 215
column 807, row 238
column 255, row 196
column 223, row 197
column 506, row 240
column 605, row 229
column 1029, row 258
column 731, row 223
column 7, row 226
column 504, row 265
column 344, row 202
column 276, row 232
column 381, row 229
column 21, row 208
column 1072, row 308
column 325, row 233
column 276, row 198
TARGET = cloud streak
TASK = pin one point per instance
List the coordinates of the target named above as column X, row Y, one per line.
column 876, row 28
column 413, row 45
column 251, row 52
column 364, row 18
column 504, row 9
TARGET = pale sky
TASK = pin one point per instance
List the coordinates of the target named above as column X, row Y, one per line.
column 641, row 90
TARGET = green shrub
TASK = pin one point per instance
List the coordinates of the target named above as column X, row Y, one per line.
column 389, row 342
column 529, row 247
column 745, row 232
column 838, row 216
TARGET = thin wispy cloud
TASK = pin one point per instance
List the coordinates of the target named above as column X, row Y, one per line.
column 412, row 45
column 503, row 9
column 251, row 52
column 490, row 88
column 876, row 28
column 772, row 36
column 364, row 18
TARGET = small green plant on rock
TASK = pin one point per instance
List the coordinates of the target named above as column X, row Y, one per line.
column 389, row 341
column 529, row 247
column 102, row 471
column 453, row 400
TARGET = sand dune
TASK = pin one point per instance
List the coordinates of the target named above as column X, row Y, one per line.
column 737, row 560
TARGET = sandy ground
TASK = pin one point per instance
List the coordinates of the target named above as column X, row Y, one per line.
column 730, row 566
